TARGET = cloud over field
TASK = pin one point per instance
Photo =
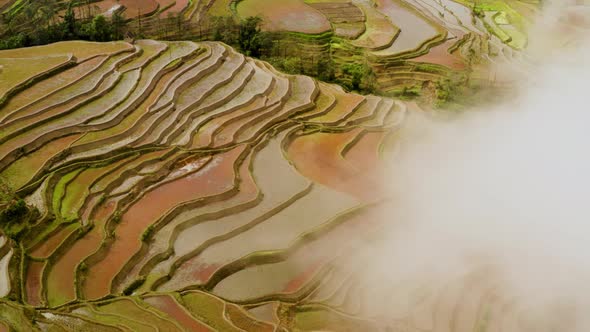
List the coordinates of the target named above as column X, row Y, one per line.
column 490, row 220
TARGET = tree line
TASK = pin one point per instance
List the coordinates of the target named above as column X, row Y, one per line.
column 247, row 35
column 37, row 24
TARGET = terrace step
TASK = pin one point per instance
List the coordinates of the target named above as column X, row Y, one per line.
column 133, row 120
column 209, row 309
column 43, row 250
column 129, row 307
column 304, row 90
column 238, row 198
column 190, row 321
column 380, row 32
column 74, row 322
column 77, row 91
column 346, row 106
column 185, row 243
column 153, row 72
column 194, row 70
column 240, row 252
column 15, row 317
column 366, row 112
column 184, row 108
column 416, row 30
column 266, row 312
column 324, row 103
column 114, row 319
column 61, row 276
column 253, row 87
column 142, row 125
column 287, row 273
column 110, row 261
column 5, row 285
column 18, row 73
column 23, row 170
column 225, row 90
column 152, row 171
column 51, row 85
column 347, row 19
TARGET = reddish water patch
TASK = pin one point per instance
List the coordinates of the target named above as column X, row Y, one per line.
column 168, row 305
column 285, row 15
column 199, row 272
column 194, row 270
column 50, row 244
column 176, row 8
column 107, row 7
column 136, row 8
column 215, row 178
column 347, row 103
column 440, row 55
column 33, row 282
column 61, row 281
column 317, row 254
column 248, row 192
column 296, row 284
column 364, row 155
column 578, row 16
column 318, row 157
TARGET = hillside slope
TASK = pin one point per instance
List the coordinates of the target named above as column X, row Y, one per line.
column 179, row 185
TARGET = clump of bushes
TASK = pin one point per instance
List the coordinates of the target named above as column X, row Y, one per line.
column 410, row 92
column 117, row 217
column 449, row 89
column 362, row 78
column 83, row 267
column 147, row 234
column 246, row 34
column 289, row 65
column 134, row 286
column 14, row 219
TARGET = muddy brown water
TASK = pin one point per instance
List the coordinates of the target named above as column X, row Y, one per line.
column 215, row 178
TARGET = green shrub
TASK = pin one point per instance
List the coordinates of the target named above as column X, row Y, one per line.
column 361, row 76
column 15, row 211
column 326, row 70
column 134, row 286
column 410, row 91
column 14, row 219
column 225, row 29
column 289, row 65
column 146, row 235
column 117, row 217
column 252, row 41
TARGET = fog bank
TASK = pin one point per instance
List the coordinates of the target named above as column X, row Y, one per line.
column 489, row 224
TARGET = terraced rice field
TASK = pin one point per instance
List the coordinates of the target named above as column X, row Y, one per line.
column 182, row 186
column 389, row 35
column 170, row 175
column 414, row 29
column 347, row 19
column 287, row 15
